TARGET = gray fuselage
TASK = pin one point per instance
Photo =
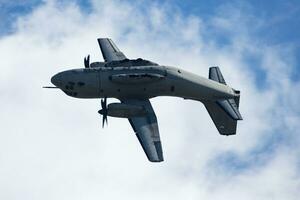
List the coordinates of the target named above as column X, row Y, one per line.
column 139, row 82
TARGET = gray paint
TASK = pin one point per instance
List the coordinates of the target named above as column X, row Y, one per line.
column 134, row 82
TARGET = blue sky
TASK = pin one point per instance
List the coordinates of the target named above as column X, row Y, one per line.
column 282, row 17
column 256, row 45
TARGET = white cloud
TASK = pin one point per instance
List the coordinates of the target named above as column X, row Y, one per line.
column 53, row 147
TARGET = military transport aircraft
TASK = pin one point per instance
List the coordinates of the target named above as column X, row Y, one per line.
column 135, row 81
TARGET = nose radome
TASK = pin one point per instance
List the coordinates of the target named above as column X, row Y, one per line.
column 56, row 80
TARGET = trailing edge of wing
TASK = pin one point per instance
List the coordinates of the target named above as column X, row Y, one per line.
column 110, row 51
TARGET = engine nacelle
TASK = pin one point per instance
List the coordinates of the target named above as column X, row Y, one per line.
column 123, row 110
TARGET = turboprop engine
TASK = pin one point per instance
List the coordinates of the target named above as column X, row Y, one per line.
column 123, row 110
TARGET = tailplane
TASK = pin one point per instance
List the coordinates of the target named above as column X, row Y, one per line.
column 224, row 112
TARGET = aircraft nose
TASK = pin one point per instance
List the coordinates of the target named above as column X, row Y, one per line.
column 56, row 80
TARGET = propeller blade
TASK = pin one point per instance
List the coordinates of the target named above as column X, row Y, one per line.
column 103, row 120
column 87, row 61
column 103, row 111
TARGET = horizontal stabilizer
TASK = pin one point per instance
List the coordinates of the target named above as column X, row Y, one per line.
column 225, row 124
column 231, row 108
column 224, row 112
column 216, row 75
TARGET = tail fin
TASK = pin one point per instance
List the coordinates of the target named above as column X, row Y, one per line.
column 224, row 112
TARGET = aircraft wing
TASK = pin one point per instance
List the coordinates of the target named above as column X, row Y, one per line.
column 110, row 51
column 146, row 130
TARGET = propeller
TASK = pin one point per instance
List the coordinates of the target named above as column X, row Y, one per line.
column 87, row 61
column 103, row 111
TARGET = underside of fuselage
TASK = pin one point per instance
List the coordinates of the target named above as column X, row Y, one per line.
column 135, row 81
column 141, row 82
